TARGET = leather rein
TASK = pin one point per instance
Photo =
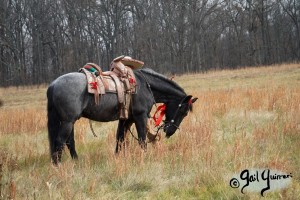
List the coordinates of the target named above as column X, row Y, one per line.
column 162, row 109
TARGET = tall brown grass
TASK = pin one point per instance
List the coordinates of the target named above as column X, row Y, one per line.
column 22, row 121
column 247, row 118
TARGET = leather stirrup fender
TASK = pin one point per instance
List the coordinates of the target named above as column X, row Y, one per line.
column 119, row 88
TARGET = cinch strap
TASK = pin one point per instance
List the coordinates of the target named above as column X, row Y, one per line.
column 162, row 109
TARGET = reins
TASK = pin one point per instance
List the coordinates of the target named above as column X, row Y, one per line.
column 162, row 107
column 92, row 129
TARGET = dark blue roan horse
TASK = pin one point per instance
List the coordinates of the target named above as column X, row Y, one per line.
column 68, row 100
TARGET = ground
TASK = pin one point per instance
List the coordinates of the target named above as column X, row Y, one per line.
column 244, row 119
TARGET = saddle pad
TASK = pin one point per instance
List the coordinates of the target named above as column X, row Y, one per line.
column 95, row 85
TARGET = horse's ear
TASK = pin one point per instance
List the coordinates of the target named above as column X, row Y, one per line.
column 187, row 99
column 194, row 100
column 171, row 78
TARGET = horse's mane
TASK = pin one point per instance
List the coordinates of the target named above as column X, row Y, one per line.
column 164, row 78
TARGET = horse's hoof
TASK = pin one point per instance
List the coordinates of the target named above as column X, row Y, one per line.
column 143, row 145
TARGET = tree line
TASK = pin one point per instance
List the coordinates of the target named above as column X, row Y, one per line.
column 42, row 39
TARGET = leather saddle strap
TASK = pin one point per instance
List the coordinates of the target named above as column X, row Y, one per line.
column 101, row 84
column 119, row 87
column 127, row 85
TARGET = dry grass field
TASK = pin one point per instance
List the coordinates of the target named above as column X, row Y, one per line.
column 243, row 119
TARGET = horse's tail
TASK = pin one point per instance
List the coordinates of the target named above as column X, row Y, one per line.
column 53, row 121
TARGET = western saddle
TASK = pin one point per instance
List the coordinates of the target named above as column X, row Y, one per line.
column 120, row 80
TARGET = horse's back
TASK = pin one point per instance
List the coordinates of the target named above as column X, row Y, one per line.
column 73, row 79
column 67, row 95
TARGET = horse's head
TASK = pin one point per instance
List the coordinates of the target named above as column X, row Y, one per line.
column 175, row 112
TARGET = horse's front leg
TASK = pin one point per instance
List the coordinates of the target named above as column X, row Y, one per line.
column 141, row 127
column 123, row 127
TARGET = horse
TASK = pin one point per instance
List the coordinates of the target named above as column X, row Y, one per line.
column 68, row 100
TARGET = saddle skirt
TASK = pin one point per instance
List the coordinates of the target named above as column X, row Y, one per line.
column 100, row 84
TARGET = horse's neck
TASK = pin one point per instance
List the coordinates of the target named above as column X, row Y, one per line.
column 166, row 92
column 164, row 89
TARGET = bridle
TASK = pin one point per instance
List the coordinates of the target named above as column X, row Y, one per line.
column 171, row 123
column 166, row 124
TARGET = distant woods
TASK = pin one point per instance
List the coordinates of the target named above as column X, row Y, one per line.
column 41, row 39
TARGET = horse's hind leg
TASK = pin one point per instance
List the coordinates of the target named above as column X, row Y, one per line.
column 61, row 139
column 71, row 145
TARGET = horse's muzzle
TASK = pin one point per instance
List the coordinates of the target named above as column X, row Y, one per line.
column 170, row 129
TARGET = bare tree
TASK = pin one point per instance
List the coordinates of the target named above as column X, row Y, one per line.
column 292, row 9
column 42, row 39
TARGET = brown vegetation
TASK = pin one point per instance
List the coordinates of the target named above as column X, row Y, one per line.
column 247, row 118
